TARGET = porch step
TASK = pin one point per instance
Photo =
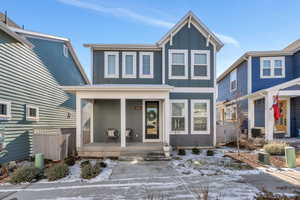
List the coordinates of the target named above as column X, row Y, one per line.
column 145, row 156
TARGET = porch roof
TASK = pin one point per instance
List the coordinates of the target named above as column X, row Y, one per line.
column 118, row 87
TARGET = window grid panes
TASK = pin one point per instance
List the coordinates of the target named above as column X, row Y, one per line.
column 111, row 64
column 272, row 67
column 200, row 117
column 146, row 65
column 178, row 116
column 178, row 58
column 3, row 109
column 129, row 64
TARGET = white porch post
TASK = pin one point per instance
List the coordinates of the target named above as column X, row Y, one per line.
column 123, row 122
column 78, row 122
column 92, row 121
column 166, row 120
column 269, row 119
column 250, row 116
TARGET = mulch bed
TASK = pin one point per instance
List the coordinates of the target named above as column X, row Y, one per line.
column 252, row 159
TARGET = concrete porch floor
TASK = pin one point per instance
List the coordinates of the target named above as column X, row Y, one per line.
column 115, row 149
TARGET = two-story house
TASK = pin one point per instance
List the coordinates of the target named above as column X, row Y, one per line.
column 150, row 95
column 33, row 66
column 254, row 81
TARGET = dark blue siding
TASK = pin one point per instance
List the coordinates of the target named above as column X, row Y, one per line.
column 191, row 39
column 295, row 116
column 224, row 93
column 296, row 59
column 259, row 84
column 259, row 113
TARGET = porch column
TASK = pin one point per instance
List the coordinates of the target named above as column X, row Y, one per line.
column 78, row 122
column 123, row 122
column 250, row 116
column 166, row 120
column 269, row 119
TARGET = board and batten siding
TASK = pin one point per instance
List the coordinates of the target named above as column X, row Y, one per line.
column 26, row 80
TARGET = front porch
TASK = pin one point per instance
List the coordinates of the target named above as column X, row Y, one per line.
column 114, row 120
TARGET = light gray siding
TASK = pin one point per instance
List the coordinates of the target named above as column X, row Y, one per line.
column 195, row 139
column 189, row 39
column 98, row 70
column 259, row 113
column 25, row 79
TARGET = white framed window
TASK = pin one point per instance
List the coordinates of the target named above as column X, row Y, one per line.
column 32, row 113
column 233, row 80
column 5, row 110
column 179, row 116
column 65, row 51
column 200, row 116
column 146, row 64
column 129, row 64
column 111, row 64
column 272, row 67
column 200, row 61
column 231, row 113
column 178, row 64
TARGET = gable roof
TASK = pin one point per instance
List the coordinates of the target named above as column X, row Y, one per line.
column 17, row 37
column 7, row 21
column 52, row 37
column 190, row 17
column 292, row 46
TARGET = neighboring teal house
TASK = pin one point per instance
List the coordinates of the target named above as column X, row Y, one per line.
column 33, row 67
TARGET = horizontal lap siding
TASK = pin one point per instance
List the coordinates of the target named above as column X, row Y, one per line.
column 259, row 113
column 194, row 139
column 24, row 79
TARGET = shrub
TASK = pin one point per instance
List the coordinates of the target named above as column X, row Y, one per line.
column 57, row 171
column 88, row 171
column 83, row 163
column 70, row 161
column 181, row 152
column 275, row 148
column 24, row 174
column 210, row 152
column 195, row 151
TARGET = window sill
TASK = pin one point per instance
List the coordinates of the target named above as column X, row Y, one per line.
column 200, row 133
column 179, row 133
column 111, row 76
column 269, row 77
column 178, row 77
column 200, row 78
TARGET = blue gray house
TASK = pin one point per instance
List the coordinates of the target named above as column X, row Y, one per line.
column 150, row 95
column 33, row 66
column 254, row 80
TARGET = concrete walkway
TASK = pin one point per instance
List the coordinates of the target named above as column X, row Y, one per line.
column 146, row 180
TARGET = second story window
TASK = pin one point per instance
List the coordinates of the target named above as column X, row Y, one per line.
column 129, row 64
column 272, row 67
column 111, row 64
column 233, row 80
column 65, row 51
column 32, row 113
column 146, row 64
column 5, row 109
column 178, row 62
column 200, row 61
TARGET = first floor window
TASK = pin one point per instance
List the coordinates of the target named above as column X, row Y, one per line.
column 178, row 63
column 32, row 112
column 111, row 64
column 200, row 116
column 231, row 113
column 200, row 64
column 146, row 64
column 129, row 64
column 4, row 109
column 179, row 116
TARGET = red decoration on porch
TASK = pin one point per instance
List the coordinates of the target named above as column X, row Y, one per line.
column 276, row 108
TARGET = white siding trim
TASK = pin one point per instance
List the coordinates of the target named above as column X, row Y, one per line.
column 151, row 64
column 163, row 65
column 249, row 71
column 185, row 52
column 194, row 89
column 207, row 101
column 106, row 54
column 124, row 54
column 8, row 110
column 193, row 52
column 185, row 132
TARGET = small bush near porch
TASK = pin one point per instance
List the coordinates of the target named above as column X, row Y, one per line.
column 275, row 148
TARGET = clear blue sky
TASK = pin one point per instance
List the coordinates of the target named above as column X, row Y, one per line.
column 243, row 25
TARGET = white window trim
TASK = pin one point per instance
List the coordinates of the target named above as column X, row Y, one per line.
column 185, row 52
column 65, row 51
column 232, row 90
column 207, row 101
column 141, row 64
column 124, row 54
column 193, row 52
column 272, row 60
column 185, row 132
column 8, row 111
column 37, row 113
column 106, row 54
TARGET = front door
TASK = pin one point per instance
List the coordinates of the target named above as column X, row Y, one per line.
column 281, row 123
column 152, row 120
